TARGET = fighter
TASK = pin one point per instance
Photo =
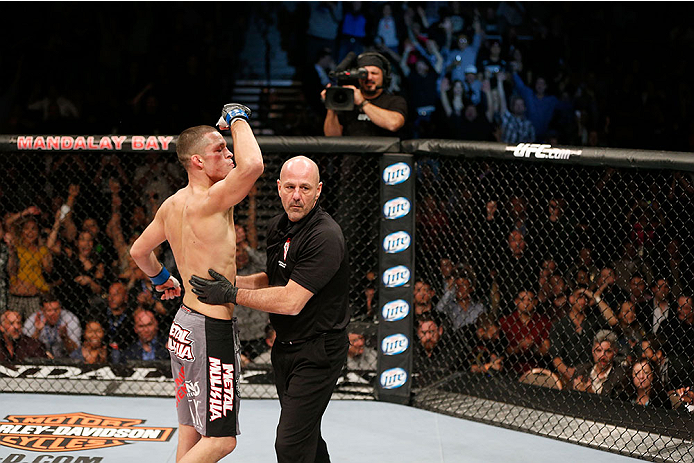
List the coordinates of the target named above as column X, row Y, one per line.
column 198, row 223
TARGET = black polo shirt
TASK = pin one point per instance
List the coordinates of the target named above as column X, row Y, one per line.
column 312, row 253
column 356, row 123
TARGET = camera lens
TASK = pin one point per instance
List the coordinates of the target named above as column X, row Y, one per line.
column 340, row 97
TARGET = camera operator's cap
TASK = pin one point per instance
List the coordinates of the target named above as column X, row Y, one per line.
column 471, row 69
column 371, row 59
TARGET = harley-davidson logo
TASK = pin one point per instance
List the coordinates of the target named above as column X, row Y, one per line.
column 75, row 431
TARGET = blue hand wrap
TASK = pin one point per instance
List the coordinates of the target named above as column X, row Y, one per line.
column 161, row 277
column 234, row 113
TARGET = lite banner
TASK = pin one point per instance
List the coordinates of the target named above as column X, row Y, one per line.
column 396, row 270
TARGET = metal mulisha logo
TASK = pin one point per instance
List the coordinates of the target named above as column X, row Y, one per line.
column 75, row 431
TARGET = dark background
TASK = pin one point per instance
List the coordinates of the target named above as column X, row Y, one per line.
column 184, row 59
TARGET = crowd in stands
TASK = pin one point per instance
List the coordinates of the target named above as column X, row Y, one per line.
column 66, row 276
column 601, row 301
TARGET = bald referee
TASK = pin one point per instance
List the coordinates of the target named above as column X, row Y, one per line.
column 305, row 290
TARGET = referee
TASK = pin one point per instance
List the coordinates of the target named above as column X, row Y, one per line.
column 305, row 290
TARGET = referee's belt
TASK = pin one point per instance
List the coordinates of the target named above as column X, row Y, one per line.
column 296, row 342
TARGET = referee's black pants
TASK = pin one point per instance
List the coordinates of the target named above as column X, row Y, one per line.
column 305, row 376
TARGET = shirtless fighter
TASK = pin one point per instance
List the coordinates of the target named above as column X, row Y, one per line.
column 198, row 223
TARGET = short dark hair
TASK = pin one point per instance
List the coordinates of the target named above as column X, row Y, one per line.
column 189, row 141
column 48, row 296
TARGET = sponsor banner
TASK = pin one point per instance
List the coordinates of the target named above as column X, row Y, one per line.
column 396, row 262
column 158, row 372
column 395, row 310
column 76, row 431
column 397, row 208
column 393, row 378
column 94, row 143
column 396, row 173
column 541, row 151
column 395, row 344
column 396, row 276
column 397, row 242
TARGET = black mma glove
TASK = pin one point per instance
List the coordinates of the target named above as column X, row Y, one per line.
column 232, row 112
column 217, row 291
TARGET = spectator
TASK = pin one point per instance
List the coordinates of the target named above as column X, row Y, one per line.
column 94, row 349
column 423, row 296
column 612, row 294
column 447, row 275
column 387, row 28
column 515, row 128
column 461, row 310
column 493, row 64
column 602, row 376
column 583, row 261
column 57, row 328
column 527, row 333
column 29, row 258
column 515, row 274
column 475, row 126
column 571, row 337
column 430, row 362
column 629, row 331
column 652, row 350
column 540, row 106
column 14, row 346
column 629, row 264
column 423, row 96
column 678, row 332
column 661, row 303
column 558, row 235
column 4, row 261
column 85, row 276
column 472, row 87
column 323, row 26
column 353, row 30
column 316, row 79
column 451, row 96
column 488, row 352
column 360, row 357
column 149, row 344
column 494, row 97
column 465, row 54
column 645, row 388
column 264, row 350
column 116, row 318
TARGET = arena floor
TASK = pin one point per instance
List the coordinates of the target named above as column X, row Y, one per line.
column 46, row 428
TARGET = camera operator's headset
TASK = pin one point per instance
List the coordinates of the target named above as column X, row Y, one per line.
column 385, row 65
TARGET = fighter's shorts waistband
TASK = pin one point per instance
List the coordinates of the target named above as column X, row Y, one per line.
column 195, row 313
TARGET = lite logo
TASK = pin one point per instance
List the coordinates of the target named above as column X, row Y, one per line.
column 395, row 310
column 396, row 173
column 393, row 378
column 396, row 208
column 396, row 242
column 395, row 344
column 396, row 276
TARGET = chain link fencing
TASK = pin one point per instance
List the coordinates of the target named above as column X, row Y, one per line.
column 557, row 299
column 84, row 309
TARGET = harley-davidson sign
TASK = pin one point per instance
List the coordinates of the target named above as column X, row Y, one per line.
column 75, row 431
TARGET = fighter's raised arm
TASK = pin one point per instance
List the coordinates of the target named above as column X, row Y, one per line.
column 247, row 159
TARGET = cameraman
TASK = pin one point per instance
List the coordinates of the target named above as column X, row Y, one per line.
column 376, row 113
